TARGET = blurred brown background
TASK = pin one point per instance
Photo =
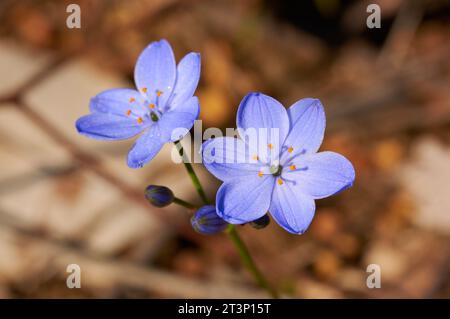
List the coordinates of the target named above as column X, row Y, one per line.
column 66, row 199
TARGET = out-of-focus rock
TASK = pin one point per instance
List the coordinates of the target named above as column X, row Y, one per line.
column 427, row 178
column 25, row 151
column 19, row 65
column 412, row 263
column 393, row 262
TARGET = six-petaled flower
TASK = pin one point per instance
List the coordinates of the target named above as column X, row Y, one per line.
column 162, row 108
column 282, row 173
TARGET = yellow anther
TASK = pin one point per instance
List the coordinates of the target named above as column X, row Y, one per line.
column 290, row 149
column 270, row 146
column 140, row 121
column 280, row 181
column 260, row 174
column 293, row 167
column 151, row 105
column 159, row 93
column 128, row 112
column 144, row 90
column 255, row 157
column 132, row 99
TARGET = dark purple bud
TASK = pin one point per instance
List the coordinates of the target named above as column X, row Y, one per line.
column 261, row 222
column 159, row 196
column 206, row 221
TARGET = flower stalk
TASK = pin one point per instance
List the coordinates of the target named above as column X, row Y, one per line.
column 230, row 230
column 183, row 203
column 191, row 173
column 248, row 261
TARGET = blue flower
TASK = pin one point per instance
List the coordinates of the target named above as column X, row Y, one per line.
column 206, row 221
column 162, row 108
column 282, row 172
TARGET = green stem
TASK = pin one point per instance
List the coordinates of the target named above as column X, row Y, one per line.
column 183, row 203
column 191, row 173
column 231, row 229
column 249, row 262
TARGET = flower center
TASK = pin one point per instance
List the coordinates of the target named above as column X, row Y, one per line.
column 276, row 170
column 154, row 117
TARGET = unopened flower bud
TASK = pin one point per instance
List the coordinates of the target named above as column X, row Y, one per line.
column 261, row 222
column 159, row 196
column 206, row 221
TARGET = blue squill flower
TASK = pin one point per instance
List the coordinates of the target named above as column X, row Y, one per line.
column 206, row 221
column 282, row 173
column 162, row 108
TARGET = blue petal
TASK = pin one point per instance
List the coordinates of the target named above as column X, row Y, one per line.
column 191, row 106
column 146, row 147
column 296, row 110
column 176, row 124
column 258, row 111
column 103, row 126
column 228, row 158
column 117, row 101
column 245, row 199
column 308, row 126
column 292, row 209
column 322, row 174
column 156, row 70
column 188, row 75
